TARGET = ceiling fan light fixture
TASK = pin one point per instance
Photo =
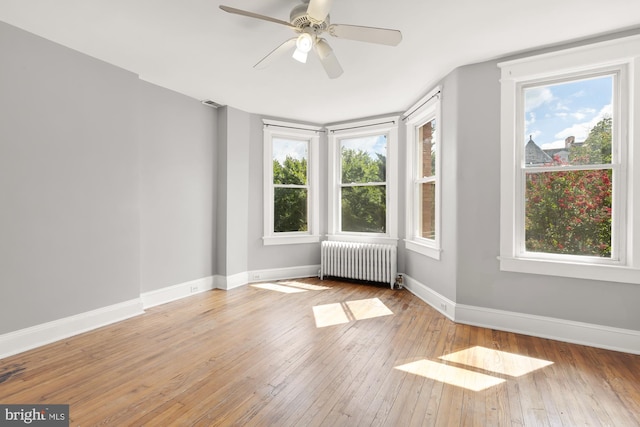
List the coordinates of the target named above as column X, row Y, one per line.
column 304, row 43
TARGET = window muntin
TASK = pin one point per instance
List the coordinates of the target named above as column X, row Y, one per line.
column 363, row 185
column 568, row 172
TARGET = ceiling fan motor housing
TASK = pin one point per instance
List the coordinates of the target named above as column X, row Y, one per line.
column 301, row 20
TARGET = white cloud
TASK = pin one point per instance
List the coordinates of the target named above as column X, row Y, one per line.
column 370, row 144
column 581, row 130
column 583, row 113
column 537, row 96
column 555, row 144
column 287, row 147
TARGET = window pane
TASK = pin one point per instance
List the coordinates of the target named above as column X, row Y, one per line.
column 569, row 123
column 427, row 218
column 364, row 159
column 427, row 141
column 569, row 212
column 364, row 209
column 290, row 209
column 290, row 161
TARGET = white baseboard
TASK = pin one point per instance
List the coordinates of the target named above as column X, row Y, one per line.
column 46, row 333
column 284, row 273
column 625, row 340
column 175, row 292
column 441, row 303
column 233, row 281
column 617, row 339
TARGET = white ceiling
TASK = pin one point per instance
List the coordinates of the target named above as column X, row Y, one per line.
column 193, row 47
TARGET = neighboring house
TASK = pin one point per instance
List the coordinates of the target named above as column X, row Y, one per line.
column 535, row 155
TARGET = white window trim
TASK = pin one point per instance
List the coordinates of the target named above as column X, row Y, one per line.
column 622, row 54
column 383, row 125
column 418, row 115
column 274, row 129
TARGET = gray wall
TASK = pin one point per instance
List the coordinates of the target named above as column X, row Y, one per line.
column 441, row 275
column 107, row 184
column 69, row 216
column 233, row 190
column 177, row 187
column 276, row 256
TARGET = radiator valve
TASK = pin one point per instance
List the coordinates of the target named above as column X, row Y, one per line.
column 399, row 281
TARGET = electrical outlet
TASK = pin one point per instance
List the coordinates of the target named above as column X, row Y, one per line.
column 256, row 276
column 443, row 306
column 194, row 289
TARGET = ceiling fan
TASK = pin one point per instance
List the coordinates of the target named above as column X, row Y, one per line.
column 310, row 20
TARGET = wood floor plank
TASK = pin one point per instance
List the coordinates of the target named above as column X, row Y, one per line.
column 254, row 356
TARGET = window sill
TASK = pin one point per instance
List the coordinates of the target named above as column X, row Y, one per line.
column 421, row 248
column 290, row 239
column 605, row 273
column 382, row 240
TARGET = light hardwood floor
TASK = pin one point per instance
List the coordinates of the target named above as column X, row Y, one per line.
column 323, row 353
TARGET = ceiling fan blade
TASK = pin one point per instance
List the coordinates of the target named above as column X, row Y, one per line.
column 275, row 53
column 255, row 15
column 319, row 9
column 366, row 34
column 328, row 59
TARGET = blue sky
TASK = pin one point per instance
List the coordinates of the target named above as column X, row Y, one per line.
column 289, row 147
column 376, row 144
column 554, row 112
column 283, row 147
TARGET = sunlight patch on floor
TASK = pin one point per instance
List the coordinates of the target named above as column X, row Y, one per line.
column 278, row 288
column 478, row 357
column 340, row 313
column 302, row 285
column 368, row 308
column 452, row 375
column 502, row 362
column 330, row 315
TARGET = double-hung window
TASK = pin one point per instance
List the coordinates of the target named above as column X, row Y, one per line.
column 363, row 181
column 569, row 190
column 291, row 183
column 423, row 177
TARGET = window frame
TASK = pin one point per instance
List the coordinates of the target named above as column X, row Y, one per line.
column 424, row 111
column 287, row 130
column 357, row 129
column 620, row 56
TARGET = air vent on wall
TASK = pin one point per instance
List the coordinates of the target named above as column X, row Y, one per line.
column 210, row 103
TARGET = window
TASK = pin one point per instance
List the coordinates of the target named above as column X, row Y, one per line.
column 568, row 190
column 423, row 172
column 291, row 180
column 362, row 196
